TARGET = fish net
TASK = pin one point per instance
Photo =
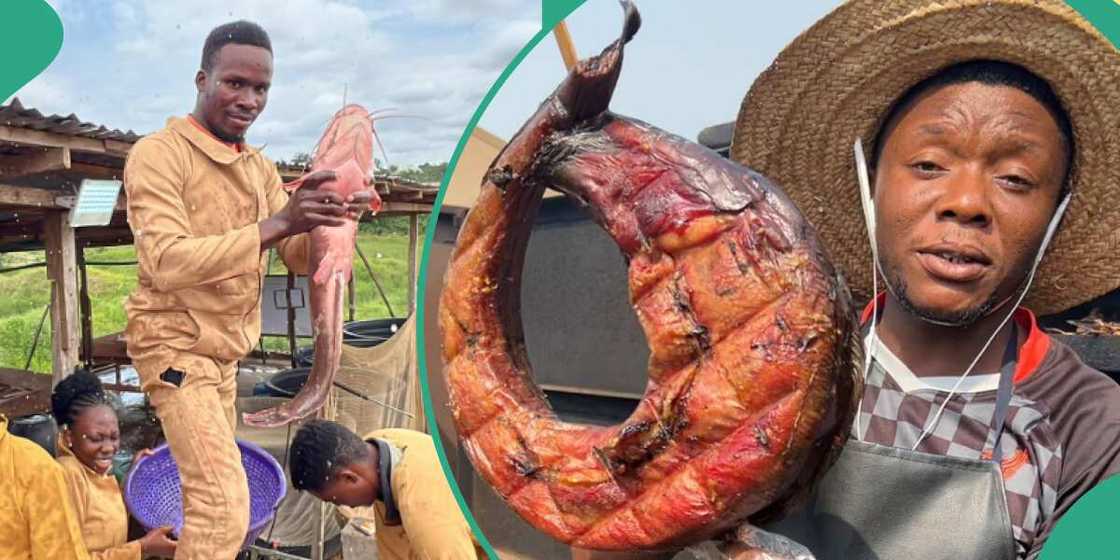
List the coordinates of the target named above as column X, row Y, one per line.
column 379, row 387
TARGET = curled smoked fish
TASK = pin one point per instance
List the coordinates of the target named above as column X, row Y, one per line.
column 752, row 373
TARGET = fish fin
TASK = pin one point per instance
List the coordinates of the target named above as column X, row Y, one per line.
column 588, row 89
column 632, row 20
column 323, row 271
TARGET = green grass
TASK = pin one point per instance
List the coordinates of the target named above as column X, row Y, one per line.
column 27, row 292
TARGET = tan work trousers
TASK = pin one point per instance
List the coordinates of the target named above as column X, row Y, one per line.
column 199, row 418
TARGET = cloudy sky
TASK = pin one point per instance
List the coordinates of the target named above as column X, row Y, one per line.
column 130, row 64
column 686, row 69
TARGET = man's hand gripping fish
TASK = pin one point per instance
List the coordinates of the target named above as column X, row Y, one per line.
column 347, row 149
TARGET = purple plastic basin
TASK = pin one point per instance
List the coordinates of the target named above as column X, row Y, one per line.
column 154, row 495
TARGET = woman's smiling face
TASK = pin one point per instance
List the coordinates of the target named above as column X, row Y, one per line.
column 95, row 437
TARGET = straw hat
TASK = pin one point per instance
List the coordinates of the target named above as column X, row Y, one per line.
column 837, row 81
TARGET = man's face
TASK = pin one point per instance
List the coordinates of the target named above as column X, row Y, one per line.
column 966, row 183
column 347, row 488
column 234, row 92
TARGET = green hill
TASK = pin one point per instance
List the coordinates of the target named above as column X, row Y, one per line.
column 27, row 292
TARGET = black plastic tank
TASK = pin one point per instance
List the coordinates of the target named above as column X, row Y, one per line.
column 39, row 428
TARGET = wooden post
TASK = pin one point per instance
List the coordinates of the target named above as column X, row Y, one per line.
column 86, row 308
column 567, row 48
column 63, row 274
column 291, row 318
column 39, row 161
column 413, row 234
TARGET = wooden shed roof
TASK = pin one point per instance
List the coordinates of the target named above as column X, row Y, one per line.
column 44, row 158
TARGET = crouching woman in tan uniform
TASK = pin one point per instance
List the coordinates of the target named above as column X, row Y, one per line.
column 90, row 439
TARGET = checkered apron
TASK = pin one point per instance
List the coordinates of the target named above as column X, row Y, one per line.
column 885, row 502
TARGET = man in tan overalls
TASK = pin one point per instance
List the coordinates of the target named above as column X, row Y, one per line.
column 204, row 208
column 396, row 474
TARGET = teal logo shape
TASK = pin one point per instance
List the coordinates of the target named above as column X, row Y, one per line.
column 554, row 11
column 31, row 40
column 1087, row 529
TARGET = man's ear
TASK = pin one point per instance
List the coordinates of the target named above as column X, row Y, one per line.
column 347, row 475
column 200, row 80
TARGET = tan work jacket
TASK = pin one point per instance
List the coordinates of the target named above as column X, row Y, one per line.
column 37, row 521
column 432, row 525
column 100, row 508
column 193, row 205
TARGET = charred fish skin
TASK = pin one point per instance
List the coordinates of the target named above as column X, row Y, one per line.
column 750, row 386
column 653, row 182
column 658, row 194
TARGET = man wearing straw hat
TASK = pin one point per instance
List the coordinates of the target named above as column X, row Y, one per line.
column 985, row 124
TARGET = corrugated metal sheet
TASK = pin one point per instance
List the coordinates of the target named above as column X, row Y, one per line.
column 16, row 115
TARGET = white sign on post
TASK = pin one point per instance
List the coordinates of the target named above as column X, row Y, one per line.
column 96, row 200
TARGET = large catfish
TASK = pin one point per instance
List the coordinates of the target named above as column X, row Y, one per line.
column 752, row 386
column 347, row 149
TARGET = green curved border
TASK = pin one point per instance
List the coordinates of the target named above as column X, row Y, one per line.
column 1103, row 14
column 31, row 43
column 552, row 11
column 1087, row 530
column 1084, row 532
